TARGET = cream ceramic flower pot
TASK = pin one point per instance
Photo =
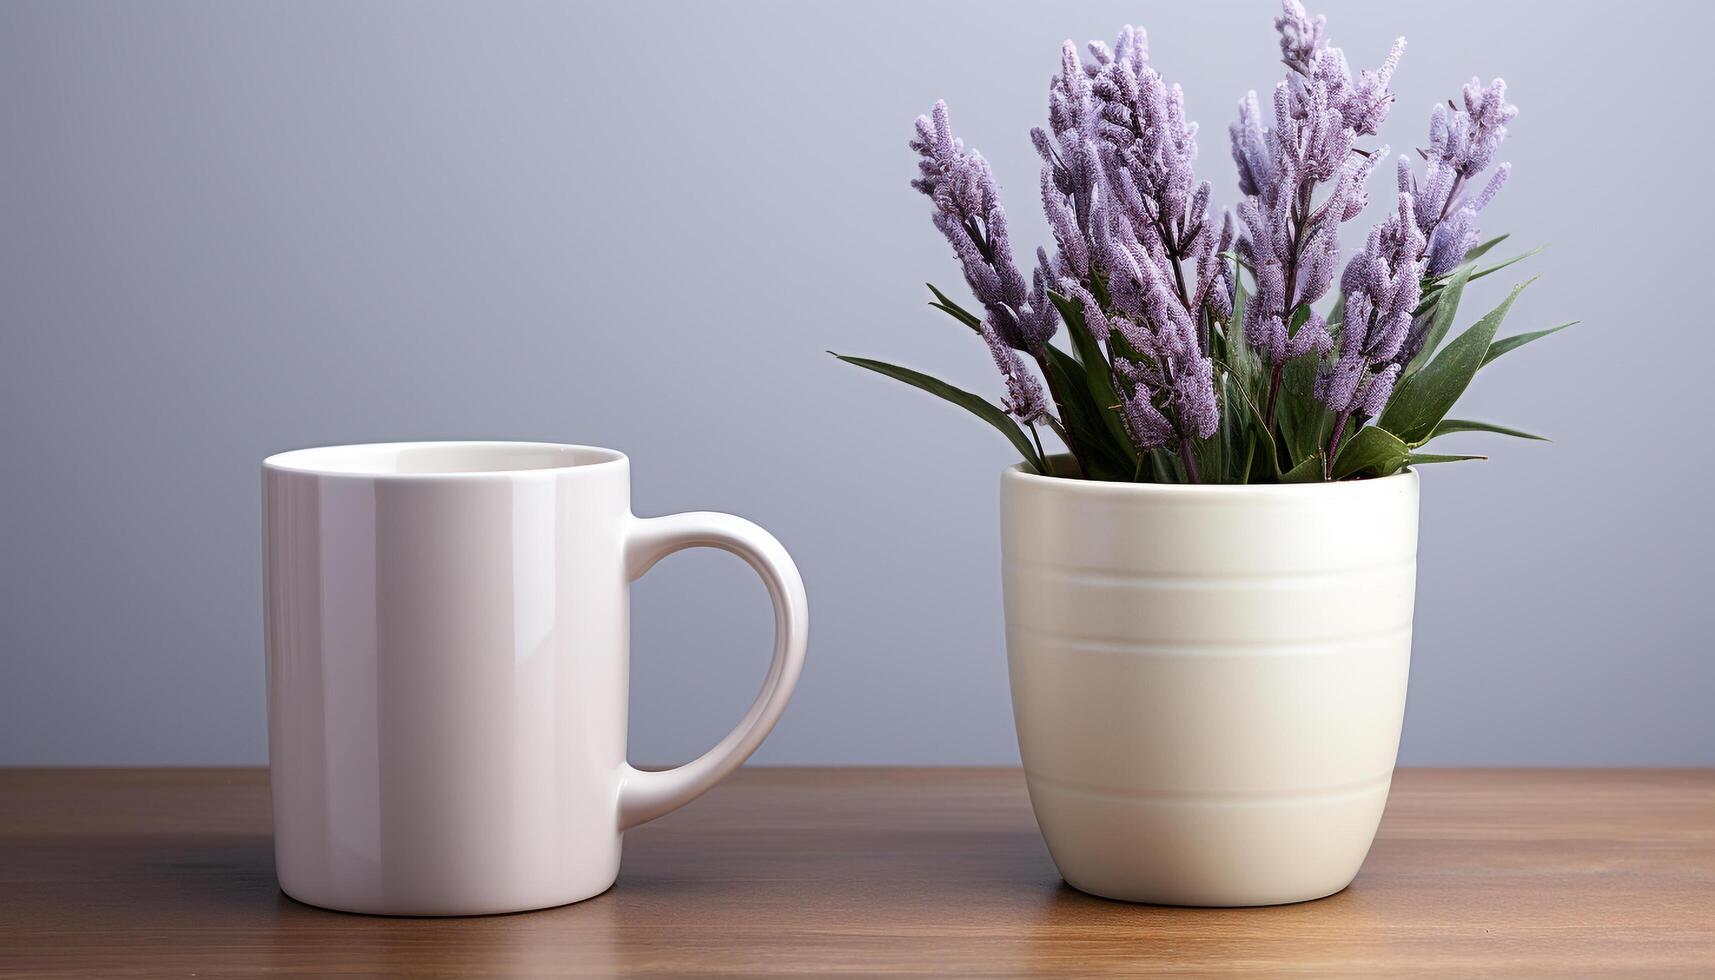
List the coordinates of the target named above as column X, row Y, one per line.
column 1208, row 681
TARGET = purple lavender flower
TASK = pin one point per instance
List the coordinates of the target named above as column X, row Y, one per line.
column 968, row 213
column 1146, row 149
column 1070, row 168
column 1145, row 236
column 1152, row 387
column 1462, row 143
column 1290, row 242
column 1289, row 246
column 1433, row 229
column 1456, row 234
column 1131, row 222
column 1362, row 103
column 1167, row 388
column 1300, row 37
column 1024, row 397
column 1215, row 291
column 1137, row 248
column 1382, row 285
column 1144, row 423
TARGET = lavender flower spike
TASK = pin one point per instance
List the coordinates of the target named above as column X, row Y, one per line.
column 1290, row 242
column 968, row 213
column 1070, row 168
column 1300, row 37
column 1146, row 149
column 1151, row 239
column 1164, row 374
column 1462, row 143
column 1024, row 397
column 1144, row 422
column 1382, row 285
column 1167, row 394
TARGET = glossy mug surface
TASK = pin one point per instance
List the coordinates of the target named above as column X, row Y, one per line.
column 447, row 648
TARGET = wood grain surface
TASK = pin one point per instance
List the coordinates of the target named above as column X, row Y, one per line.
column 119, row 873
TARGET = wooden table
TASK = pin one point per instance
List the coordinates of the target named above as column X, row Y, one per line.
column 781, row 871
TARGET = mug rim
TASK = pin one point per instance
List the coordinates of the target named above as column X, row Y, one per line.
column 321, row 460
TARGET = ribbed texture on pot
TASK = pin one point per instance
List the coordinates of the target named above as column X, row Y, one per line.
column 1209, row 682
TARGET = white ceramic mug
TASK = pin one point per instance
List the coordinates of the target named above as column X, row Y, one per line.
column 448, row 669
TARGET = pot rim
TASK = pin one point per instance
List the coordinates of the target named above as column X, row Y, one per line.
column 1017, row 472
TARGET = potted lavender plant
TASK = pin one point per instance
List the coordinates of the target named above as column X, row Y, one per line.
column 1209, row 594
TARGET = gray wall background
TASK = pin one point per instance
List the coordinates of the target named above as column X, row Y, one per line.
column 230, row 230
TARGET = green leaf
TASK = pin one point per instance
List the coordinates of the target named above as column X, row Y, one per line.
column 1210, row 455
column 975, row 404
column 1309, row 471
column 1445, row 308
column 953, row 309
column 1241, row 359
column 1433, row 286
column 1098, row 376
column 1170, row 466
column 1237, row 260
column 1419, row 458
column 1516, row 341
column 1423, row 399
column 1108, row 454
column 1373, row 452
column 1447, row 426
column 1083, row 342
column 1498, row 266
column 1484, row 249
column 1259, row 442
column 1162, row 466
column 1305, row 423
column 1082, row 417
column 1376, row 452
column 1230, row 432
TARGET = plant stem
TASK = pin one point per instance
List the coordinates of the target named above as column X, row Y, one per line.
column 1273, row 391
column 1299, row 218
column 1065, row 437
column 1168, row 239
column 1060, row 430
column 1334, row 444
column 1037, row 438
column 1452, row 196
column 1190, row 460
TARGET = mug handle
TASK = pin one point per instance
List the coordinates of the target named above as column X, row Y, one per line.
column 645, row 795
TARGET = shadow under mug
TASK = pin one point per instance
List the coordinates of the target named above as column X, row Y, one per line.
column 448, row 669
